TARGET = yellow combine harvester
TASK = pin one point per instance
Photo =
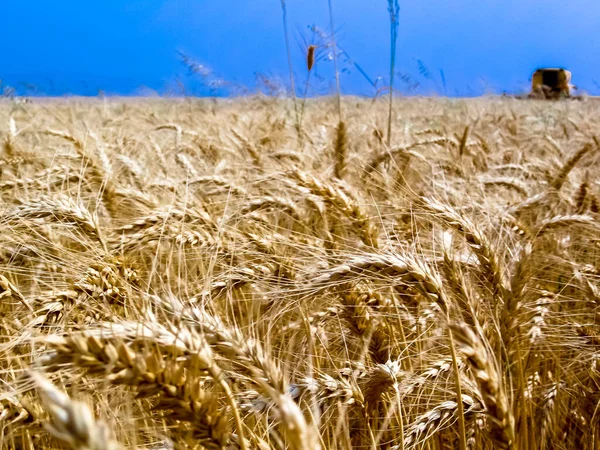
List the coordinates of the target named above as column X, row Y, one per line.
column 552, row 83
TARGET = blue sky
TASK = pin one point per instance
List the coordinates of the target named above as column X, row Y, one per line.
column 130, row 47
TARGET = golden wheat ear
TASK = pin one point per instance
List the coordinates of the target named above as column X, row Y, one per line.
column 488, row 378
column 72, row 422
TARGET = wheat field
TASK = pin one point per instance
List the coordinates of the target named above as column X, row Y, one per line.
column 203, row 274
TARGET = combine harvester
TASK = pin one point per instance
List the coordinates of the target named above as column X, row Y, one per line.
column 551, row 84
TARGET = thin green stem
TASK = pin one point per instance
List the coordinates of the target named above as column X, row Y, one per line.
column 335, row 65
column 394, row 10
column 289, row 57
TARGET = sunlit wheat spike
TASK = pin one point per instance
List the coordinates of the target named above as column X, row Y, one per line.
column 72, row 422
column 487, row 376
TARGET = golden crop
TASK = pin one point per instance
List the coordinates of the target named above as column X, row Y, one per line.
column 204, row 274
